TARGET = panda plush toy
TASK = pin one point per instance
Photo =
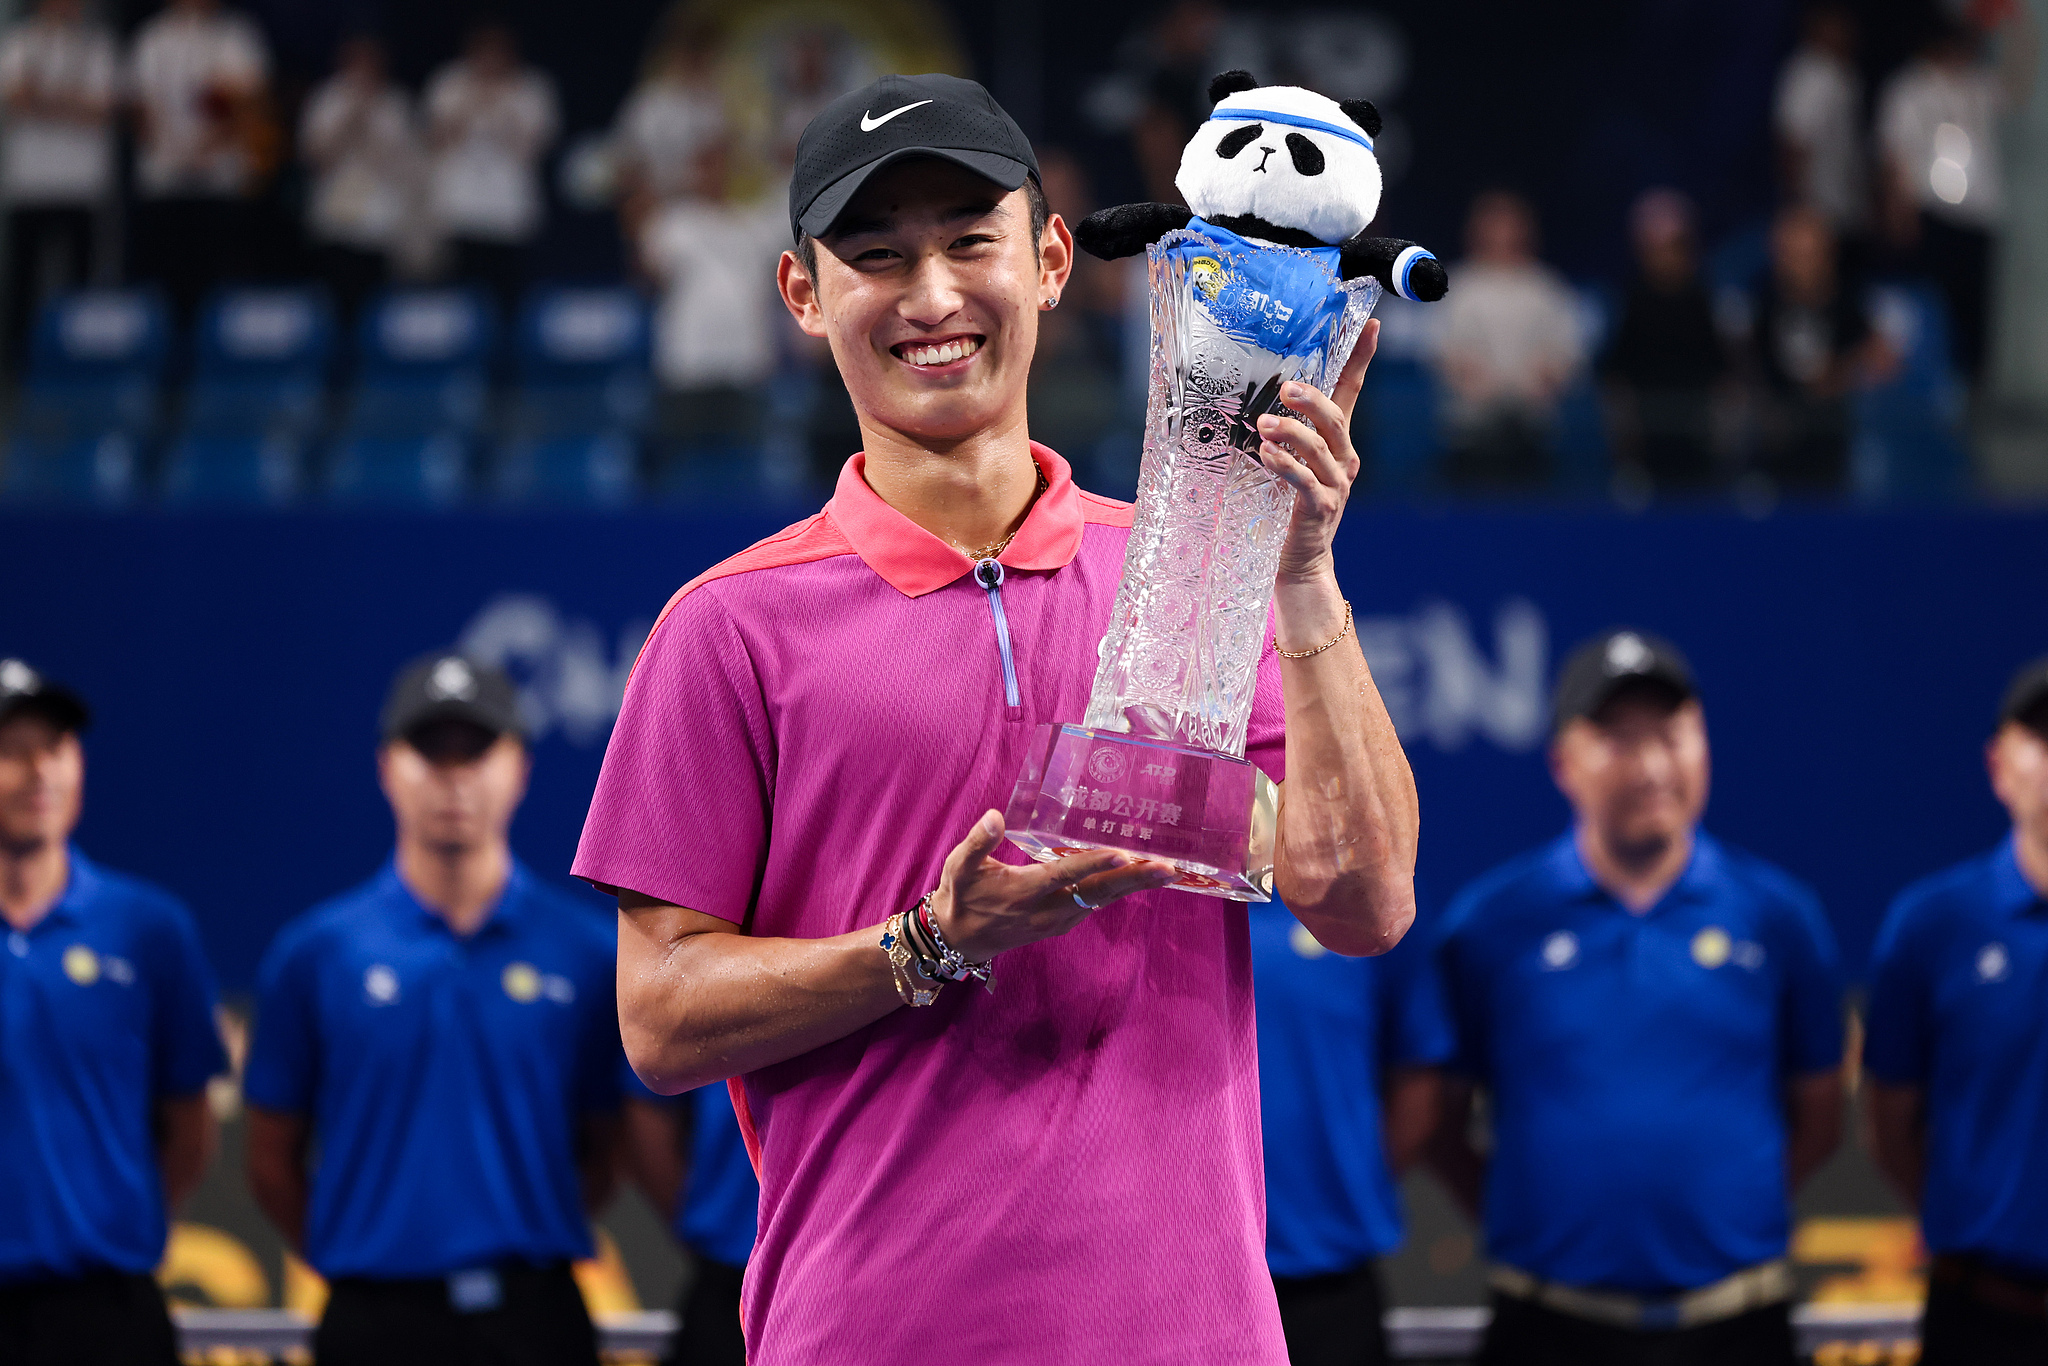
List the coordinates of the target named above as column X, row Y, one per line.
column 1282, row 165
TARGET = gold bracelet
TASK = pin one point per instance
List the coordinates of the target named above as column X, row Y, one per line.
column 900, row 967
column 1304, row 654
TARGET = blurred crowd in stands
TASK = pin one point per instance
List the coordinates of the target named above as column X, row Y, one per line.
column 1832, row 352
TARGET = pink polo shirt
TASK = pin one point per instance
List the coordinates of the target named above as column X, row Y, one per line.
column 1067, row 1170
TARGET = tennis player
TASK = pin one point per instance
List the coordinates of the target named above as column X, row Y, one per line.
column 1065, row 1168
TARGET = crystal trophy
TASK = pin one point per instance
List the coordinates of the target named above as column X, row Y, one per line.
column 1157, row 767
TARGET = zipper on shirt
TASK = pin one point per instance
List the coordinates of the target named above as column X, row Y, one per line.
column 989, row 574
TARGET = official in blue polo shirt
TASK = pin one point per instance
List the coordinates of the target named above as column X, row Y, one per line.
column 1957, row 1052
column 1656, row 1021
column 107, row 1039
column 433, row 1080
column 1348, row 1052
column 688, row 1155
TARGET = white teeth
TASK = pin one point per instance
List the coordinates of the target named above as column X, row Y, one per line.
column 941, row 355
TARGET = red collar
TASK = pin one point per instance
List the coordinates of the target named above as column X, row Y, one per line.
column 915, row 562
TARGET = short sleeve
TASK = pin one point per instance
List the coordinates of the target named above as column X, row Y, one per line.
column 1896, row 1034
column 1812, row 1005
column 185, row 1038
column 1266, row 731
column 1416, row 1023
column 283, row 1072
column 682, row 802
column 1461, row 988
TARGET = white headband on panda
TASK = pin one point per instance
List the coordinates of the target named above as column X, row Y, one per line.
column 1351, row 134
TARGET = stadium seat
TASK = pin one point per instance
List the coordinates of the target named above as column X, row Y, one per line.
column 256, row 396
column 1908, row 442
column 1400, row 408
column 573, row 426
column 89, row 401
column 410, row 429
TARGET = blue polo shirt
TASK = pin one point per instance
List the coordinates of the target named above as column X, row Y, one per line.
column 445, row 1077
column 106, row 1007
column 1959, row 1007
column 1329, row 1029
column 1636, row 1064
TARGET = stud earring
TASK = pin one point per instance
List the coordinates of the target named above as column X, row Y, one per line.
column 1053, row 302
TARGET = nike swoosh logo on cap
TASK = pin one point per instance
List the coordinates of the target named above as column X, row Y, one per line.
column 869, row 125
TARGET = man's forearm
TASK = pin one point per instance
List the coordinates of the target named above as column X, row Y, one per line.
column 1345, row 856
column 700, row 1006
column 277, row 1171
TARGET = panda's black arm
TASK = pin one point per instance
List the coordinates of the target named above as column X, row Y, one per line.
column 1127, row 229
column 1380, row 257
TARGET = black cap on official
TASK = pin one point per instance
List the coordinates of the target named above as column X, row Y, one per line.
column 2026, row 698
column 893, row 119
column 451, row 687
column 1611, row 661
column 22, row 689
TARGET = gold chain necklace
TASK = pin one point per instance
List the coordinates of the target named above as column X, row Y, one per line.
column 990, row 552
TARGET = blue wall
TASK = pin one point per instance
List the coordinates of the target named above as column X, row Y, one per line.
column 1850, row 667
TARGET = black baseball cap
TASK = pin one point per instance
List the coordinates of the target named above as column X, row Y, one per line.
column 1609, row 662
column 2026, row 697
column 896, row 118
column 448, row 686
column 22, row 689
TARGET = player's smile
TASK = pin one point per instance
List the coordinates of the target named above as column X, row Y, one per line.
column 948, row 355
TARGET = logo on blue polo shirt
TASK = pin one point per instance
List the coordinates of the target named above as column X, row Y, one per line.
column 1560, row 951
column 81, row 965
column 380, row 985
column 1711, row 947
column 1993, row 963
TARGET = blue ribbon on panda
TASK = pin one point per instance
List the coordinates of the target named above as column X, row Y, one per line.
column 1335, row 130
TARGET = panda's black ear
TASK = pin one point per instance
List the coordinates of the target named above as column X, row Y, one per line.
column 1363, row 114
column 1229, row 83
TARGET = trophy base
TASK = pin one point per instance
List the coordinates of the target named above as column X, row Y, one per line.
column 1210, row 815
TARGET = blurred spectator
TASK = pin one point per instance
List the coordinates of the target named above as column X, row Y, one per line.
column 199, row 76
column 433, row 1081
column 1665, row 357
column 491, row 119
column 1819, row 118
column 1810, row 342
column 359, row 139
column 687, row 1154
column 675, row 110
column 1074, row 378
column 810, row 75
column 1508, row 340
column 1937, row 120
column 1656, row 1021
column 1173, row 63
column 109, row 1043
column 1348, row 1091
column 57, row 75
column 713, row 344
column 1957, row 1058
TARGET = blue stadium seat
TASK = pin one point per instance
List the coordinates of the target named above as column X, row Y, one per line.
column 573, row 427
column 584, row 471
column 410, row 429
column 90, row 399
column 256, row 396
column 1908, row 442
column 1400, row 404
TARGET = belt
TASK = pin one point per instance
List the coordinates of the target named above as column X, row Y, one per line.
column 1765, row 1284
column 2011, row 1294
